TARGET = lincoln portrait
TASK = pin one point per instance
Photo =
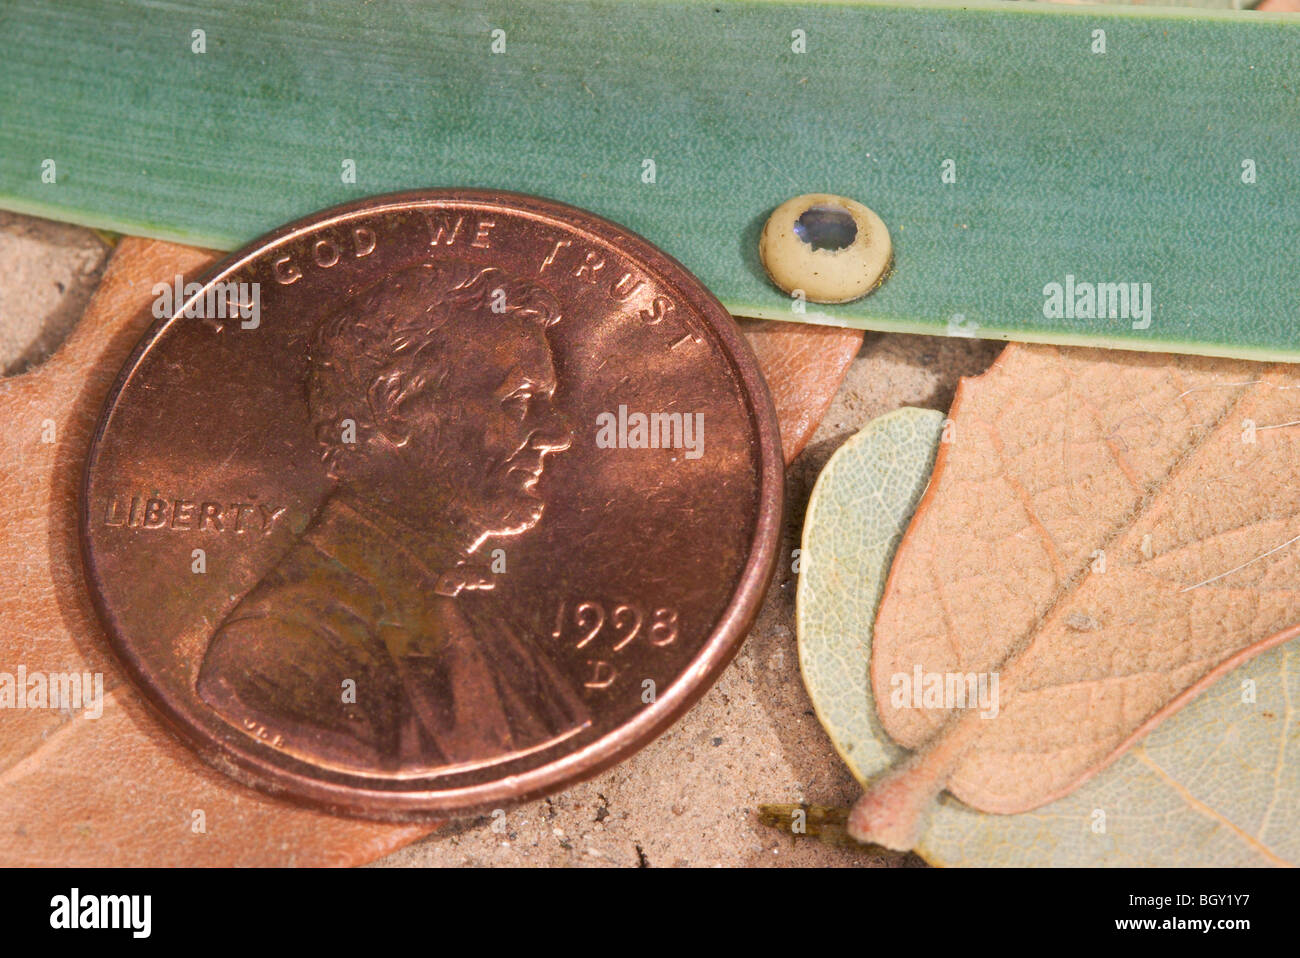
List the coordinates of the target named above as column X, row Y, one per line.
column 373, row 643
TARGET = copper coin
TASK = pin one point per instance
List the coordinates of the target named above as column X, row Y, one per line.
column 432, row 502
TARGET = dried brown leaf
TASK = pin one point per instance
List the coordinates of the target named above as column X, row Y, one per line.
column 804, row 366
column 1107, row 532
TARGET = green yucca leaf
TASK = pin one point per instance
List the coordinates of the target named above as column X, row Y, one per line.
column 1128, row 166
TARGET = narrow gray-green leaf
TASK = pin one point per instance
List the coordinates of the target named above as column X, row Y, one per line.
column 1171, row 159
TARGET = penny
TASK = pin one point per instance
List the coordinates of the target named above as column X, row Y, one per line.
column 432, row 502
